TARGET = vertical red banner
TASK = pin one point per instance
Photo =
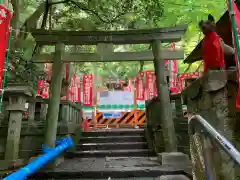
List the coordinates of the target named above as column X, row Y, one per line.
column 78, row 86
column 140, row 86
column 87, row 90
column 235, row 16
column 40, row 87
column 78, row 94
column 45, row 94
column 5, row 18
column 150, row 84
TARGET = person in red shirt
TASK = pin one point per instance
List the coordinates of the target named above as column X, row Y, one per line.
column 213, row 53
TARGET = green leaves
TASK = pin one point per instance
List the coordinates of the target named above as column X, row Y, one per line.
column 91, row 15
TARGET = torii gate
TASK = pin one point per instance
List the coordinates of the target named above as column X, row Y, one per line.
column 104, row 41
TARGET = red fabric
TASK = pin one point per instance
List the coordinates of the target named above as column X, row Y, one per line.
column 150, row 85
column 5, row 18
column 40, row 86
column 213, row 55
column 87, row 90
column 140, row 86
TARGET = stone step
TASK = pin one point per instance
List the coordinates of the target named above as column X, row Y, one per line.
column 111, row 153
column 114, row 132
column 167, row 174
column 112, row 146
column 167, row 177
column 106, row 139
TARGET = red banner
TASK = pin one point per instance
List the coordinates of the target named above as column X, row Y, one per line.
column 45, row 91
column 40, row 87
column 140, row 86
column 235, row 16
column 87, row 90
column 78, row 84
column 150, row 85
column 78, row 94
column 5, row 18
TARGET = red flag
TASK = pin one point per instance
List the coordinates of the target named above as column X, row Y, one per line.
column 5, row 18
column 40, row 86
column 139, row 86
column 78, row 93
column 87, row 90
column 150, row 84
column 45, row 91
column 236, row 16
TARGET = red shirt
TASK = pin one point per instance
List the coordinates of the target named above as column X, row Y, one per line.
column 213, row 55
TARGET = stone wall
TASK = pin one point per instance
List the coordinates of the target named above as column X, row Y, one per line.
column 214, row 98
column 154, row 129
column 32, row 133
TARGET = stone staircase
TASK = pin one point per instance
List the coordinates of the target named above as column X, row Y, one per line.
column 120, row 154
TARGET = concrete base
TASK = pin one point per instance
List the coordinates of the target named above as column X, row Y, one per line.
column 173, row 159
column 10, row 165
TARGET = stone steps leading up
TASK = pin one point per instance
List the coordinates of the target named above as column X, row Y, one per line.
column 120, row 138
column 111, row 146
column 120, row 154
column 167, row 177
column 113, row 153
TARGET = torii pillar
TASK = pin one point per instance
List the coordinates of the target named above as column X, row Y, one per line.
column 165, row 117
column 54, row 96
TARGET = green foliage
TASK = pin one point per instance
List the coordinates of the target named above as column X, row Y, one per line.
column 125, row 14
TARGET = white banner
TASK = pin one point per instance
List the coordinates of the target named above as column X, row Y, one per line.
column 115, row 97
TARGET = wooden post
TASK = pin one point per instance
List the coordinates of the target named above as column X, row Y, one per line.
column 54, row 97
column 165, row 114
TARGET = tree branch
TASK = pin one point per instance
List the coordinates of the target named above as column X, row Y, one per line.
column 199, row 66
column 59, row 2
column 84, row 8
column 189, row 66
column 141, row 66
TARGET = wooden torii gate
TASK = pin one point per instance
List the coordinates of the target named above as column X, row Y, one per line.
column 104, row 41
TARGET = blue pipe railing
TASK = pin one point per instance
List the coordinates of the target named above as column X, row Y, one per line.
column 49, row 155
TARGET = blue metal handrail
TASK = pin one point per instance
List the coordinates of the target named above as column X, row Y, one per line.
column 197, row 120
column 49, row 155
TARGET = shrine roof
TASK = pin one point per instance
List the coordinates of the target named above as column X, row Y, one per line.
column 223, row 29
column 144, row 36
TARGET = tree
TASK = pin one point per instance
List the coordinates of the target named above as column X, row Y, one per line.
column 115, row 15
